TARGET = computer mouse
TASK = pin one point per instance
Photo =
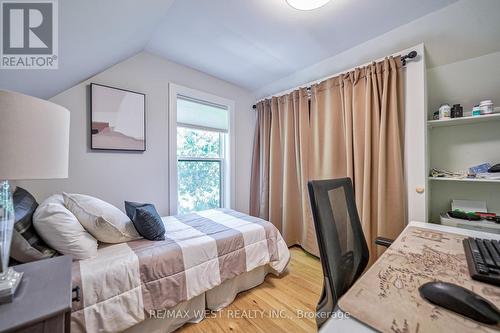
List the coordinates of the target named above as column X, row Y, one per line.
column 460, row 300
column 495, row 168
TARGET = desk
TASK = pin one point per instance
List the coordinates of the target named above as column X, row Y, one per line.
column 337, row 323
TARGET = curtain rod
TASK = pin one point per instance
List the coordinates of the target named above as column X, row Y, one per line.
column 404, row 59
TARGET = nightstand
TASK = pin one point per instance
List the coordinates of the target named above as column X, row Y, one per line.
column 42, row 303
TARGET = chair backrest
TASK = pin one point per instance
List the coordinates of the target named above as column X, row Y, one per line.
column 342, row 245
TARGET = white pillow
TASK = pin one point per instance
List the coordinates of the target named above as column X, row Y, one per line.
column 60, row 229
column 104, row 221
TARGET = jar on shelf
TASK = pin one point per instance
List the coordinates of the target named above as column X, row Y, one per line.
column 476, row 111
column 486, row 106
column 457, row 111
column 444, row 112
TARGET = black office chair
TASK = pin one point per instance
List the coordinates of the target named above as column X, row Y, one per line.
column 342, row 245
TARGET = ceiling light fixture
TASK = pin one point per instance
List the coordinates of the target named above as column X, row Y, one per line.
column 307, row 4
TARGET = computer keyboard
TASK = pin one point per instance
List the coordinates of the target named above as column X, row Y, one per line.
column 483, row 259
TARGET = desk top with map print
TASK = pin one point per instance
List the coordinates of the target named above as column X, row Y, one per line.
column 386, row 297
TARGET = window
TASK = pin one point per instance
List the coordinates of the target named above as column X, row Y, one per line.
column 200, row 164
column 200, row 175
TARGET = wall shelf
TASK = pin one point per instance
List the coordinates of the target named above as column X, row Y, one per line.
column 464, row 120
column 465, row 180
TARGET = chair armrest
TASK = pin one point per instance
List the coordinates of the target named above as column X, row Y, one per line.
column 382, row 241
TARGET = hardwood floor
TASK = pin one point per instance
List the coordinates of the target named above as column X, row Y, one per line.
column 274, row 306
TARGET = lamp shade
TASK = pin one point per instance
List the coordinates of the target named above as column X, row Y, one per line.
column 34, row 138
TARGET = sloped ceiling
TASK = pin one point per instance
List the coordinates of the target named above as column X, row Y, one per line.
column 250, row 43
column 93, row 35
column 464, row 30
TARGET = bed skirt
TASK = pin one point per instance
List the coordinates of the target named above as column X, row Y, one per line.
column 193, row 311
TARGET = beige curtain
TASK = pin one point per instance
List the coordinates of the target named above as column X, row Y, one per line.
column 278, row 190
column 353, row 127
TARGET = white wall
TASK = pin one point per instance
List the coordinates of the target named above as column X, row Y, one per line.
column 415, row 136
column 467, row 82
column 460, row 147
column 117, row 176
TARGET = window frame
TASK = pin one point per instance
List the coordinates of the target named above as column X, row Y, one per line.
column 228, row 147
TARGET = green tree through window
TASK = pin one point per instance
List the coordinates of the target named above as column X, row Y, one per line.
column 199, row 169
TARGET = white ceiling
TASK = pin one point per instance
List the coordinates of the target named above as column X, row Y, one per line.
column 251, row 43
column 464, row 30
column 254, row 42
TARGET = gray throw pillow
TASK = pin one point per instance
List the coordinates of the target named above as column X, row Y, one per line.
column 146, row 220
column 26, row 244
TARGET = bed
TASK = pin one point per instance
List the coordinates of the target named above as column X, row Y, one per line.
column 157, row 286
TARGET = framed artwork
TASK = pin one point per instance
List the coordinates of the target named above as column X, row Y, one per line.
column 117, row 118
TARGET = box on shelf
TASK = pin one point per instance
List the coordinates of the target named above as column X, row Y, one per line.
column 482, row 225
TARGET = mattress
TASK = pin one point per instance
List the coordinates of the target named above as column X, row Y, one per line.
column 128, row 282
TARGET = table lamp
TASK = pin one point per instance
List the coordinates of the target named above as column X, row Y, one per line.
column 34, row 144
